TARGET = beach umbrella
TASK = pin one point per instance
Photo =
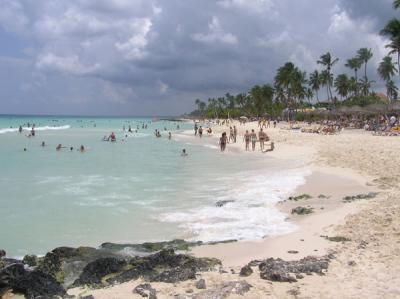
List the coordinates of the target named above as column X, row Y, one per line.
column 243, row 117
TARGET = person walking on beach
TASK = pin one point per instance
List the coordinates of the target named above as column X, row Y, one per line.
column 234, row 134
column 253, row 136
column 195, row 129
column 261, row 137
column 247, row 140
column 200, row 131
column 223, row 141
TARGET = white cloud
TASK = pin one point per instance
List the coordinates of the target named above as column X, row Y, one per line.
column 254, row 6
column 215, row 34
column 12, row 16
column 134, row 47
column 65, row 64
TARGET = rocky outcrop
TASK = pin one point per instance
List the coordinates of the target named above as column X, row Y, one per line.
column 302, row 211
column 145, row 290
column 370, row 195
column 222, row 203
column 289, row 271
column 178, row 245
column 200, row 284
column 246, row 271
column 32, row 284
column 30, row 260
column 164, row 266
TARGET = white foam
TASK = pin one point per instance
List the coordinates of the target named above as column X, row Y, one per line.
column 45, row 128
column 252, row 215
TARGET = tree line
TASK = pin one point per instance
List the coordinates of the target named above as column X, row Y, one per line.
column 294, row 88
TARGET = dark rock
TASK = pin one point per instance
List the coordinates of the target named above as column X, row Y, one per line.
column 200, row 284
column 30, row 260
column 302, row 211
column 2, row 253
column 94, row 272
column 246, row 271
column 225, row 290
column 280, row 270
column 351, row 263
column 32, row 284
column 370, row 195
column 87, row 297
column 299, row 276
column 300, row 197
column 189, row 291
column 174, row 275
column 293, row 252
column 222, row 203
column 338, row 239
column 145, row 290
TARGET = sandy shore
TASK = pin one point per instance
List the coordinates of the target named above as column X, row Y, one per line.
column 350, row 163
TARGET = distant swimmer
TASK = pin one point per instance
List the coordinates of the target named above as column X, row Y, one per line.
column 43, row 144
column 169, row 135
column 113, row 138
column 59, row 147
column 33, row 131
column 130, row 129
column 82, row 149
column 71, row 148
column 184, row 153
column 24, row 149
column 20, row 129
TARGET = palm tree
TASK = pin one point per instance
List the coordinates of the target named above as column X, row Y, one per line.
column 364, row 55
column 354, row 64
column 386, row 71
column 326, row 80
column 315, row 82
column 328, row 61
column 342, row 85
column 396, row 4
column 392, row 90
column 365, row 85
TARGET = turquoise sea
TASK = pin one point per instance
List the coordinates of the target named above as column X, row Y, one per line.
column 137, row 189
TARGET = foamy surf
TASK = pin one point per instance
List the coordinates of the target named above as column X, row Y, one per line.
column 249, row 212
column 45, row 128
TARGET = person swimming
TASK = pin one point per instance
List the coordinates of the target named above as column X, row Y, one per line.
column 82, row 149
column 43, row 144
column 112, row 137
column 169, row 135
column 59, row 147
column 184, row 153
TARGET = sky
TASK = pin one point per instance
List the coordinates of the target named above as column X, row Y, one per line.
column 155, row 57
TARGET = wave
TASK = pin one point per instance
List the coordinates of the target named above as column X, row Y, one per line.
column 45, row 128
column 249, row 213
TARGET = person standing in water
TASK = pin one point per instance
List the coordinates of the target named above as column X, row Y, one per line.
column 253, row 136
column 195, row 129
column 82, row 149
column 200, row 131
column 234, row 134
column 247, row 140
column 169, row 135
column 20, row 129
column 222, row 141
column 184, row 153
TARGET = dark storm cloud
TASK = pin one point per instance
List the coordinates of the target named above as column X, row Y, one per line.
column 153, row 56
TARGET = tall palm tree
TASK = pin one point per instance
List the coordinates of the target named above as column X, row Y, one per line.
column 354, row 64
column 386, row 71
column 342, row 85
column 328, row 61
column 396, row 4
column 364, row 54
column 315, row 82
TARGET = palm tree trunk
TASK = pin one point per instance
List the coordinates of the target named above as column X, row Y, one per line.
column 356, row 76
column 316, row 92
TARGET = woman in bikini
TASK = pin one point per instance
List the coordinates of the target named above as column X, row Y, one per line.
column 253, row 136
column 247, row 140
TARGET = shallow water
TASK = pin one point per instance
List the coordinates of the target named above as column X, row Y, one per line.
column 135, row 190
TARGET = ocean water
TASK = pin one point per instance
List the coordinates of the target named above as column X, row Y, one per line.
column 137, row 189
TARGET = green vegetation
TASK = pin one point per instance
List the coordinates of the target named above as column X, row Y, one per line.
column 293, row 88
